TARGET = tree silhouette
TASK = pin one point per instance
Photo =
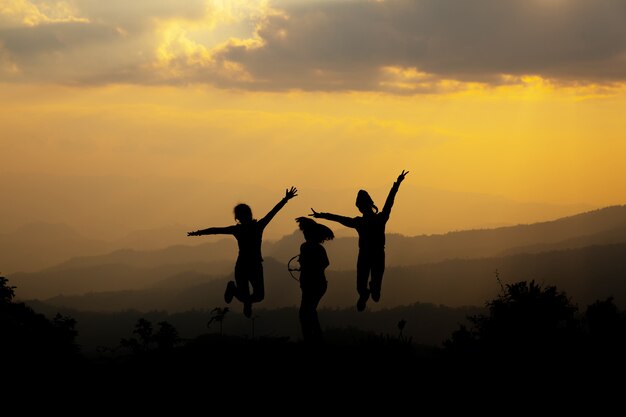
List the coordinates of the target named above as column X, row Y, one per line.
column 7, row 292
column 30, row 338
column 606, row 326
column 525, row 320
column 143, row 329
column 401, row 325
column 167, row 337
column 218, row 315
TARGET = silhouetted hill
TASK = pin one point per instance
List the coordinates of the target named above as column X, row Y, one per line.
column 126, row 269
column 36, row 246
column 186, row 291
column 132, row 269
column 607, row 237
column 153, row 239
column 587, row 274
column 220, row 251
column 39, row 245
column 598, row 227
column 110, row 277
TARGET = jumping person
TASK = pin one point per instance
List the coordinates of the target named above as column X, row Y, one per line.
column 249, row 267
column 371, row 230
column 313, row 261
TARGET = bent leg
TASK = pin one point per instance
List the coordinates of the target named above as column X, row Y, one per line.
column 257, row 282
column 242, row 277
column 378, row 270
column 363, row 267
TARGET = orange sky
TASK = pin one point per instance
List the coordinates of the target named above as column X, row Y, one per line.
column 272, row 94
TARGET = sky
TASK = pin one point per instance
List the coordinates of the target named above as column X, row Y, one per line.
column 174, row 111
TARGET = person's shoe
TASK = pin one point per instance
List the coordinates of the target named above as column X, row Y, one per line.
column 230, row 292
column 362, row 301
column 247, row 310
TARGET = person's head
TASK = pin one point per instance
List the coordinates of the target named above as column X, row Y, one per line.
column 243, row 213
column 364, row 203
column 313, row 231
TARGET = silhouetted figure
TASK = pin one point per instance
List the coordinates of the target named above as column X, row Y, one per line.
column 313, row 261
column 249, row 266
column 371, row 230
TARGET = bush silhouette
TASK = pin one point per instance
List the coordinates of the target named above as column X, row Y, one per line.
column 526, row 320
column 30, row 338
column 606, row 327
column 166, row 338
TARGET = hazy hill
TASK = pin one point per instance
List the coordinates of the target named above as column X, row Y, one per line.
column 35, row 246
column 109, row 277
column 586, row 274
column 185, row 291
column 603, row 226
column 38, row 245
column 131, row 269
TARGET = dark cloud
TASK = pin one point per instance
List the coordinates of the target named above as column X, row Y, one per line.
column 75, row 53
column 344, row 44
column 25, row 42
column 337, row 45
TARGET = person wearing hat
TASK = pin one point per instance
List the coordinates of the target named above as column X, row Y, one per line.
column 371, row 230
column 313, row 261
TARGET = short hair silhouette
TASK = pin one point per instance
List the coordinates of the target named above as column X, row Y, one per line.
column 249, row 265
column 313, row 231
column 243, row 213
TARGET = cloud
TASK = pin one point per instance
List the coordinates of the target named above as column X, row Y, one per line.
column 401, row 46
column 7, row 66
column 33, row 13
column 353, row 44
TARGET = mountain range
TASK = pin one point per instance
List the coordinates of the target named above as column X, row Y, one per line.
column 581, row 254
column 86, row 216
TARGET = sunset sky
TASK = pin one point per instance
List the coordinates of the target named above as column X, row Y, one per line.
column 521, row 99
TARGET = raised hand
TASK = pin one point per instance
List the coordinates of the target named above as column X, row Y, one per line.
column 401, row 176
column 291, row 193
column 193, row 233
column 314, row 213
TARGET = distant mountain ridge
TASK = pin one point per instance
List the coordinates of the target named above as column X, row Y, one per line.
column 136, row 270
column 39, row 245
column 119, row 212
column 585, row 274
column 597, row 227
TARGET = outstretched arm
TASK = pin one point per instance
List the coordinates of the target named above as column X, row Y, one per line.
column 392, row 193
column 346, row 221
column 228, row 230
column 289, row 194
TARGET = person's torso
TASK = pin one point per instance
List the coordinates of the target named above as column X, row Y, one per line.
column 249, row 237
column 313, row 261
column 371, row 230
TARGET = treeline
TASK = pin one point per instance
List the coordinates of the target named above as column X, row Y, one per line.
column 426, row 323
column 588, row 273
column 527, row 326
